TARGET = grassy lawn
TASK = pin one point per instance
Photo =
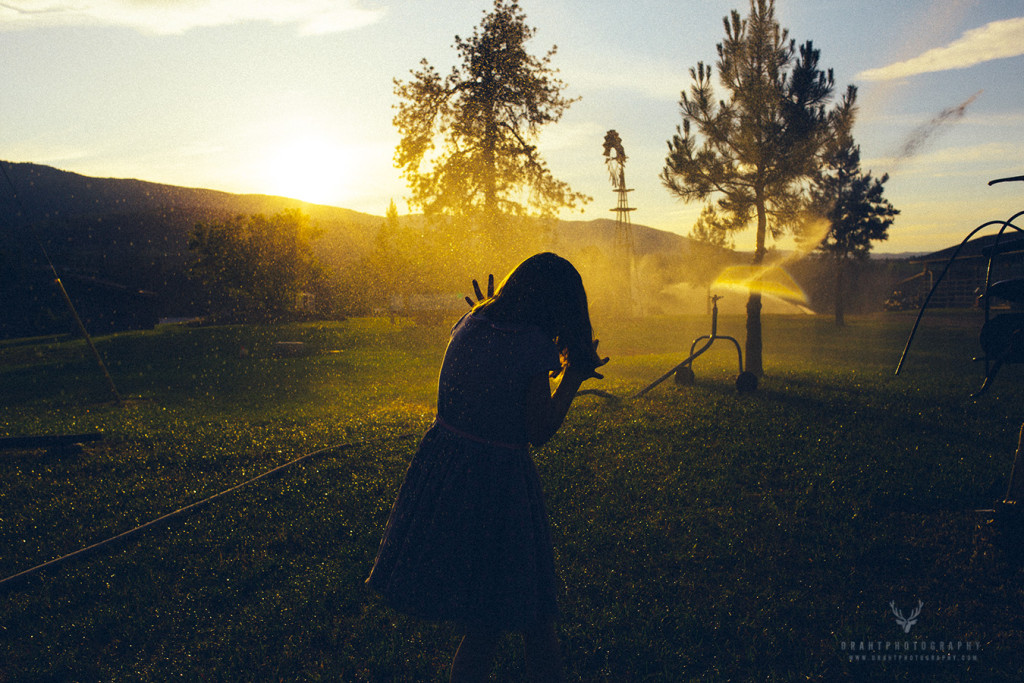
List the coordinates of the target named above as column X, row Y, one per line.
column 699, row 534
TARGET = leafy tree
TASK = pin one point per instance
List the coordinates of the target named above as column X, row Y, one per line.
column 487, row 114
column 255, row 265
column 395, row 266
column 388, row 258
column 756, row 150
column 712, row 230
column 851, row 202
column 714, row 234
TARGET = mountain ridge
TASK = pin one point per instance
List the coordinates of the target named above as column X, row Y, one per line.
column 134, row 233
column 44, row 193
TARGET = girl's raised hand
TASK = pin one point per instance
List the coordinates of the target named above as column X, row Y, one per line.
column 480, row 295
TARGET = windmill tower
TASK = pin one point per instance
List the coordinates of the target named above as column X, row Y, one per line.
column 625, row 251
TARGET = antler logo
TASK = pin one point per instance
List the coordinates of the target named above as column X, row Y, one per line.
column 905, row 622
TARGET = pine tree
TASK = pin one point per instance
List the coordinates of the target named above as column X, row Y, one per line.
column 857, row 213
column 755, row 151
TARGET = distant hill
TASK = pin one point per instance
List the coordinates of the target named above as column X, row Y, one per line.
column 46, row 192
column 133, row 234
column 646, row 240
column 111, row 238
column 52, row 202
column 63, row 207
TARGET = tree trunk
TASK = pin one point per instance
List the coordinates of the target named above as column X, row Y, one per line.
column 754, row 362
column 491, row 176
column 490, row 162
column 840, row 294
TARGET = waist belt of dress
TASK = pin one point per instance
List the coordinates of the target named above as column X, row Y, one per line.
column 479, row 439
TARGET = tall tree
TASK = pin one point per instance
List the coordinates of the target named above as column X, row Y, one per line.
column 487, row 114
column 756, row 150
column 857, row 214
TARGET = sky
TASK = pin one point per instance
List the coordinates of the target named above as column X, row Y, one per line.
column 296, row 97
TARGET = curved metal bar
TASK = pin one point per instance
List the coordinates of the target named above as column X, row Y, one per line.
column 1005, row 180
column 988, row 282
column 739, row 353
column 935, row 286
column 696, row 341
column 673, row 370
column 693, row 354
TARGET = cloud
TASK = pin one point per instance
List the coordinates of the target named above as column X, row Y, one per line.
column 312, row 17
column 996, row 40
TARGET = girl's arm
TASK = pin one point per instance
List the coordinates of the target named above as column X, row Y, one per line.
column 545, row 411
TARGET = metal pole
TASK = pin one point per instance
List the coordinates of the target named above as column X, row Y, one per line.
column 64, row 293
column 673, row 370
column 88, row 339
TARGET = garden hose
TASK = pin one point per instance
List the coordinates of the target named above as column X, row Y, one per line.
column 10, row 581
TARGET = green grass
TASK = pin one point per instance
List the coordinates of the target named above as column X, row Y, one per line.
column 699, row 534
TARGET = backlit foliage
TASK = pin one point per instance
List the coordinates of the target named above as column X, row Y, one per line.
column 468, row 143
column 255, row 267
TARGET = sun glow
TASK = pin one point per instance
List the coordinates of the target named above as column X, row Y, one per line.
column 310, row 167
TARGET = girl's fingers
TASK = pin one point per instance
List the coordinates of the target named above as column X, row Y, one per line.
column 593, row 373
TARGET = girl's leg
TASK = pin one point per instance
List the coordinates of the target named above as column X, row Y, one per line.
column 475, row 657
column 543, row 656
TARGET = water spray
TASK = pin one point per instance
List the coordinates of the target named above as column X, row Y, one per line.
column 771, row 280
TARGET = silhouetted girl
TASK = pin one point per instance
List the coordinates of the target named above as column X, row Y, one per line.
column 468, row 540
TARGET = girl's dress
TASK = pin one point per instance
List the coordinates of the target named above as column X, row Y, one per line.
column 468, row 539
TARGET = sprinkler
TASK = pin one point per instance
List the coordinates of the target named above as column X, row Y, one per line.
column 745, row 381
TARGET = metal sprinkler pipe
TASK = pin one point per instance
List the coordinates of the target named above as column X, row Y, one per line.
column 744, row 382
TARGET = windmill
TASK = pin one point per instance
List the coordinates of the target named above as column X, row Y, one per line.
column 625, row 250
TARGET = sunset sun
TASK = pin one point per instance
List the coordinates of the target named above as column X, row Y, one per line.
column 311, row 168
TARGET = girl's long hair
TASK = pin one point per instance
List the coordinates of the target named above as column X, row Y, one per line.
column 547, row 291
